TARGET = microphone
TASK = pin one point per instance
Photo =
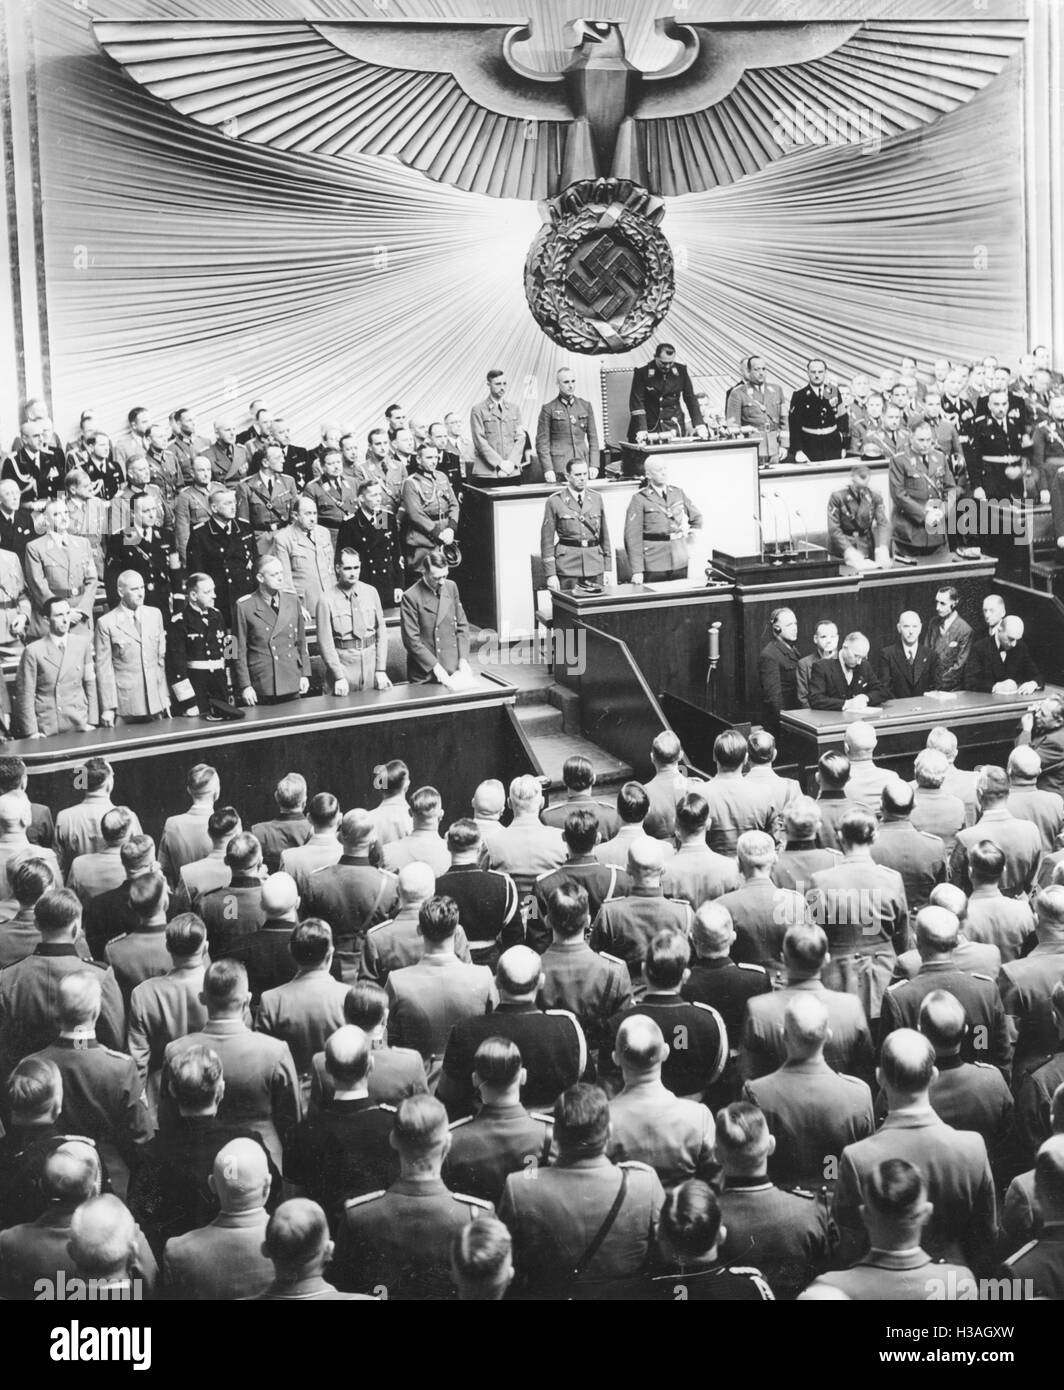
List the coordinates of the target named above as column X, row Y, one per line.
column 761, row 536
column 805, row 531
column 714, row 643
column 787, row 516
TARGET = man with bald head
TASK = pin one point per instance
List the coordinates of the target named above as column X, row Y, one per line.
column 648, row 1123
column 488, row 804
column 1042, row 1261
column 1001, row 663
column 298, row 1246
column 907, row 667
column 973, row 957
column 968, row 1095
column 225, row 1259
column 1027, row 801
column 812, row 1110
column 552, row 1043
column 105, row 1246
column 624, row 927
column 130, row 647
column 953, row 1162
column 987, row 1039
column 351, row 895
column 264, row 953
column 760, row 911
column 920, row 858
column 1018, row 840
column 715, row 979
column 342, row 1148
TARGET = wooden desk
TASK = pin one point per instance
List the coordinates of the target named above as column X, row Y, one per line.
column 985, row 726
column 450, row 739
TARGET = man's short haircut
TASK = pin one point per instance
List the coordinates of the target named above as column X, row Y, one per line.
column 896, row 797
column 894, row 1188
column 291, row 792
column 1049, row 1179
column 365, row 1005
column 145, row 894
column 801, row 818
column 762, row 748
column 310, row 942
column 12, row 771
column 666, row 748
column 577, row 773
column 930, row 768
column 729, row 750
column 834, row 770
column 581, row 830
column 692, row 814
column 185, row 935
column 222, row 822
column 137, row 853
column 438, row 919
column 425, row 803
column 992, row 783
column 567, row 909
column 225, row 981
column 668, row 956
column 463, row 835
column 1049, row 906
column 30, row 878
column 713, row 929
column 199, row 779
column 79, row 998
column 805, row 948
column 115, row 824
column 907, row 1060
column 482, row 1250
column 1024, row 763
column 754, row 849
column 986, row 861
column 194, row 1076
column 93, row 773
column 941, row 1019
column 322, row 810
column 857, row 827
column 951, row 591
column 358, row 828
column 243, row 852
column 525, row 792
column 296, row 1233
column 497, row 1061
column 70, row 1174
column 633, row 803
column 944, row 741
column 420, row 1124
column 57, row 910
column 434, row 560
column 390, row 777
column 742, row 1130
column 102, row 1234
column 582, row 1119
column 690, row 1218
column 34, row 1087
column 640, row 1042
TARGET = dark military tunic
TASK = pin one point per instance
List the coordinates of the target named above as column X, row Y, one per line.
column 226, row 553
column 150, row 556
column 812, row 423
column 656, row 396
column 375, row 540
column 196, row 651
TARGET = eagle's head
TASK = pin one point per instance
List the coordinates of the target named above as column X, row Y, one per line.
column 599, row 36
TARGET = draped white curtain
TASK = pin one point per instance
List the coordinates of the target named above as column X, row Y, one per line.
column 187, row 269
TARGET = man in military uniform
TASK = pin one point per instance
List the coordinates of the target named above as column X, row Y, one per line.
column 148, row 549
column 371, row 531
column 858, row 529
column 334, row 494
column 352, row 637
column 1041, row 1261
column 33, row 467
column 812, row 419
column 265, row 500
column 430, row 508
column 657, row 525
column 228, row 459
column 626, row 926
column 556, row 1221
column 138, row 484
column 435, row 630
column 192, row 506
column 498, row 436
column 272, row 659
column 305, row 551
column 654, row 400
column 593, row 986
column 566, row 430
column 14, row 601
column 574, row 540
column 196, row 653
column 1047, row 443
column 184, row 445
column 59, row 565
column 296, row 461
column 450, row 464
column 401, row 1239
column 487, row 898
column 756, row 404
column 224, row 549
column 17, row 528
column 996, row 459
column 130, row 645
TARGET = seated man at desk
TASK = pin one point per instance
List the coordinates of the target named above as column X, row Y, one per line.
column 657, row 525
column 1001, row 663
column 907, row 668
column 858, row 529
column 777, row 666
column 574, row 540
column 846, row 682
column 826, row 642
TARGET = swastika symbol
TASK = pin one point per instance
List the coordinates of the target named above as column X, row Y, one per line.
column 606, row 275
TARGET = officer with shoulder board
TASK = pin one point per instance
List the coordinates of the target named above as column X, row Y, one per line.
column 657, row 525
column 574, row 539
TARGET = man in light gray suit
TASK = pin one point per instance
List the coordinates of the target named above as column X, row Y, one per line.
column 59, row 565
column 55, row 688
column 130, row 647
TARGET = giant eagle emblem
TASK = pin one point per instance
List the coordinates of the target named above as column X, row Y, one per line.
column 599, row 140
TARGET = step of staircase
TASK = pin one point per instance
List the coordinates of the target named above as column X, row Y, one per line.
column 544, row 726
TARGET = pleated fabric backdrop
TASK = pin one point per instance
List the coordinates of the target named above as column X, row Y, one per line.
column 184, row 268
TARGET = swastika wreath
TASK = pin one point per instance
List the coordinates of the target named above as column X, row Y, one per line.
column 599, row 275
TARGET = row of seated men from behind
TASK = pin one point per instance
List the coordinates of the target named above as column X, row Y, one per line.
column 791, row 1164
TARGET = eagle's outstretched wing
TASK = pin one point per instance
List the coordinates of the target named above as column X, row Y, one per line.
column 452, row 100
column 740, row 96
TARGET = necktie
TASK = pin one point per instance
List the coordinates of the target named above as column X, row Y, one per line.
column 136, row 618
column 269, row 487
column 275, row 604
column 580, row 500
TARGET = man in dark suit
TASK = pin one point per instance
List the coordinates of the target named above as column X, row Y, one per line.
column 1043, row 729
column 907, row 668
column 435, row 631
column 846, row 682
column 657, row 389
column 1001, row 664
column 777, row 668
column 371, row 531
column 950, row 639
